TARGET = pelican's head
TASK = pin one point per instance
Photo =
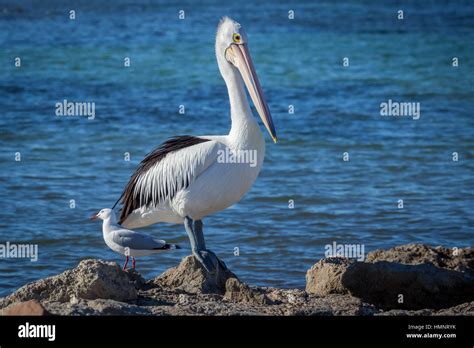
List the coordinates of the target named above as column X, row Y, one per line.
column 104, row 214
column 232, row 52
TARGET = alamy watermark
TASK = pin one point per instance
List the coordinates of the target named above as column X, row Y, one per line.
column 350, row 251
column 28, row 330
column 68, row 108
column 400, row 109
column 12, row 251
column 237, row 156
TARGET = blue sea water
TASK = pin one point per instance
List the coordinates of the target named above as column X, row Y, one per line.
column 299, row 62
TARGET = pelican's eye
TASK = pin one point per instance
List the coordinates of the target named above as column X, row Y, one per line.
column 236, row 38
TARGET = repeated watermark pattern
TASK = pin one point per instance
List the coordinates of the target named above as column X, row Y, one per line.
column 351, row 251
column 237, row 156
column 20, row 251
column 400, row 109
column 68, row 108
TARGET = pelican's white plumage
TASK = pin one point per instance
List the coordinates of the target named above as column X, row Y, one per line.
column 166, row 183
column 183, row 180
column 192, row 183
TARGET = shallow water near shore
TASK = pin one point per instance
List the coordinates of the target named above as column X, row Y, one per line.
column 299, row 63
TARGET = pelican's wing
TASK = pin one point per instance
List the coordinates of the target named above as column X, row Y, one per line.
column 137, row 241
column 173, row 166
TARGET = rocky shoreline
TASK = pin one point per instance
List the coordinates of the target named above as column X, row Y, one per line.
column 411, row 279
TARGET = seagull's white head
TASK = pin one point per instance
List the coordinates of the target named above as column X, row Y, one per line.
column 232, row 54
column 104, row 214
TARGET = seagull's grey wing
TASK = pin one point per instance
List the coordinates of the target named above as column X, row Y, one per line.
column 137, row 241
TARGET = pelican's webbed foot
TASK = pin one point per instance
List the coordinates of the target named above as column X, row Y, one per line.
column 207, row 259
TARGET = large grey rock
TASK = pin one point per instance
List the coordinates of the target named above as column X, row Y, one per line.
column 325, row 277
column 190, row 276
column 91, row 279
column 457, row 259
column 391, row 285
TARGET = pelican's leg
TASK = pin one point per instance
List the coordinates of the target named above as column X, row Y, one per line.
column 197, row 244
column 188, row 225
column 206, row 254
column 199, row 234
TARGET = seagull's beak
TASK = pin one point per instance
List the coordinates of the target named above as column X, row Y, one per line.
column 239, row 56
column 94, row 217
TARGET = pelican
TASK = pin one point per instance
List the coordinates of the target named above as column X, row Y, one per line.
column 187, row 177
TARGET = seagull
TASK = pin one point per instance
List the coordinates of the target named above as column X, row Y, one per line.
column 187, row 178
column 127, row 242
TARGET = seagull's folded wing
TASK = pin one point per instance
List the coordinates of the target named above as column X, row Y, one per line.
column 136, row 241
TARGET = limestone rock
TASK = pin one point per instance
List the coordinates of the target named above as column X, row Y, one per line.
column 433, row 281
column 190, row 276
column 96, row 307
column 457, row 259
column 31, row 307
column 391, row 285
column 91, row 279
column 325, row 277
column 236, row 291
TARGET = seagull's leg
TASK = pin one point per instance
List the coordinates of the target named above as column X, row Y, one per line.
column 133, row 262
column 125, row 264
column 196, row 245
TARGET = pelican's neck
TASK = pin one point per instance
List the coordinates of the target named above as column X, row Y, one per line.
column 239, row 105
column 244, row 129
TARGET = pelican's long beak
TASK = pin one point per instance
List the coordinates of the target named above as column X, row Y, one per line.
column 239, row 56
